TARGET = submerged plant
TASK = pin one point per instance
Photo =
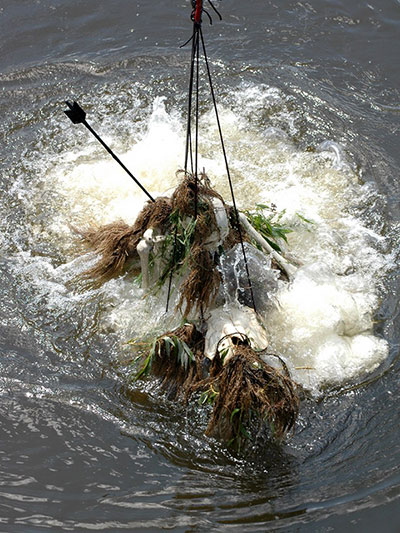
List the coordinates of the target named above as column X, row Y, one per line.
column 176, row 358
column 244, row 393
column 249, row 394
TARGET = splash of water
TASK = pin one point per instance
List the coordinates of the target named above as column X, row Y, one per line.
column 323, row 321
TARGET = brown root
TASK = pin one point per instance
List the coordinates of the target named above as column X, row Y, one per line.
column 205, row 223
column 116, row 242
column 153, row 215
column 201, row 286
column 184, row 197
column 161, row 210
column 245, row 392
column 178, row 360
column 250, row 391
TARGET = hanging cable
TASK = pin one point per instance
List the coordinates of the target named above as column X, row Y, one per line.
column 188, row 147
column 227, row 167
column 195, row 64
column 196, row 148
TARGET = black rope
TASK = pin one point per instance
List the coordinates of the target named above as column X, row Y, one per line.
column 189, row 120
column 188, row 41
column 227, row 168
column 215, row 9
column 195, row 62
column 189, row 148
column 209, row 16
column 196, row 152
column 192, row 16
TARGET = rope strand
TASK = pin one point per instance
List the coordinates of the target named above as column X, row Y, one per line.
column 195, row 63
column 189, row 148
column 196, row 152
column 189, row 120
column 227, row 169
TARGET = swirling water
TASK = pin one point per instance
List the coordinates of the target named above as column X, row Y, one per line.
column 309, row 106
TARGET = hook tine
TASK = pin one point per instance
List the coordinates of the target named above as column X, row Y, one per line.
column 209, row 16
column 215, row 9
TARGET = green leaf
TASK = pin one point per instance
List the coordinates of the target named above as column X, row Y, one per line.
column 234, row 413
column 273, row 245
column 305, row 219
column 223, row 353
column 268, row 226
column 203, row 398
column 144, row 371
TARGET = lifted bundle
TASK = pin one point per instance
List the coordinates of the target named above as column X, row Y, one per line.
column 221, row 355
column 201, row 247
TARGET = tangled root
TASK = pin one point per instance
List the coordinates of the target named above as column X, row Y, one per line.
column 201, row 286
column 251, row 391
column 184, row 197
column 159, row 213
column 116, row 242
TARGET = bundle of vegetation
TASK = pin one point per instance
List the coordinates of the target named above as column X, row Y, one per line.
column 116, row 243
column 200, row 287
column 191, row 191
column 186, row 229
column 202, row 278
column 245, row 393
column 177, row 358
column 195, row 228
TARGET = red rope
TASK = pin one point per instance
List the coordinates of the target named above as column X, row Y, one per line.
column 198, row 11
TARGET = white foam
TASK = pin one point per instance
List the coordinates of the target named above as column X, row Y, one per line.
column 324, row 327
column 323, row 321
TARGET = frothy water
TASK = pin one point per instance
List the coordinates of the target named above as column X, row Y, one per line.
column 308, row 96
column 322, row 322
